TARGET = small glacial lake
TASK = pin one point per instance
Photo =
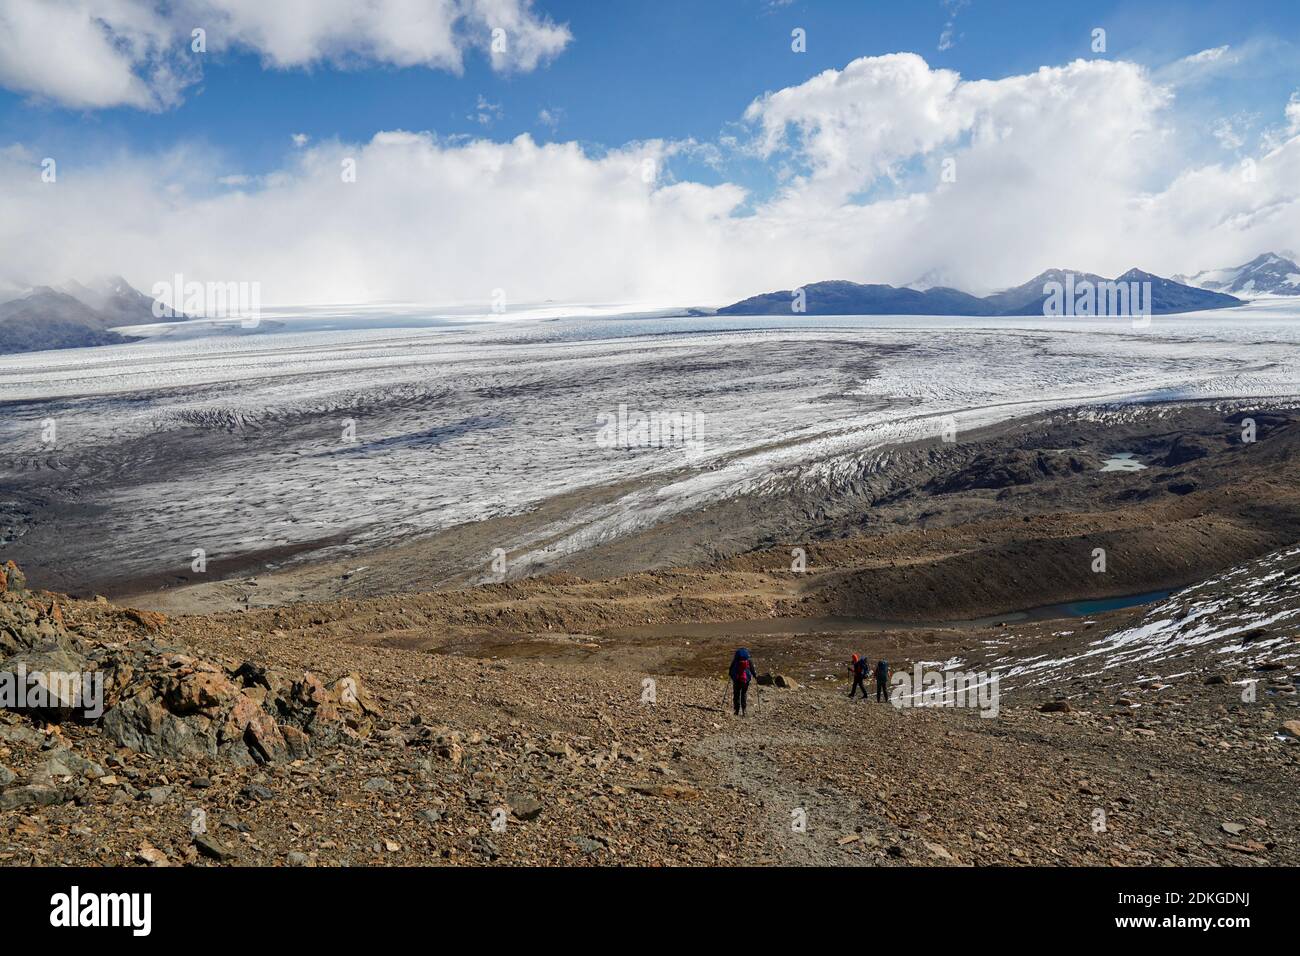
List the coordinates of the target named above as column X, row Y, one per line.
column 1123, row 461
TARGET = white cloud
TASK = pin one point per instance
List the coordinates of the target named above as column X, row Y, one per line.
column 948, row 38
column 1070, row 166
column 86, row 54
column 485, row 111
column 550, row 117
column 1227, row 134
column 105, row 53
column 1090, row 123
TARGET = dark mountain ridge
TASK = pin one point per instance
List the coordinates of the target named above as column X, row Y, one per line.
column 1056, row 292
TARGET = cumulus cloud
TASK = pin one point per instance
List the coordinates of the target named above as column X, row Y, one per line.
column 103, row 53
column 900, row 171
column 426, row 219
column 87, row 55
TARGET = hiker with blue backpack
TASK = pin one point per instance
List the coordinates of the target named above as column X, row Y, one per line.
column 742, row 673
column 861, row 669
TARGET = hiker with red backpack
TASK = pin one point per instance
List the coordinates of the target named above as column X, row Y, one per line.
column 742, row 673
column 860, row 668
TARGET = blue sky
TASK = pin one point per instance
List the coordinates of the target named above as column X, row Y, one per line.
column 671, row 69
column 1176, row 149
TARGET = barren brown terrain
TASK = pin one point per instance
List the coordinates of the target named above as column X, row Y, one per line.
column 581, row 716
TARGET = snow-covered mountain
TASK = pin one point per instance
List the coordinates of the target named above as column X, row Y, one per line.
column 851, row 298
column 71, row 316
column 46, row 318
column 113, row 296
column 1268, row 274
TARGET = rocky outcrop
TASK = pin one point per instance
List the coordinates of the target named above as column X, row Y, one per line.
column 180, row 706
column 158, row 700
column 1015, row 467
column 1186, row 448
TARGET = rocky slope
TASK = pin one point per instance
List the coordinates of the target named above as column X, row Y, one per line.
column 399, row 756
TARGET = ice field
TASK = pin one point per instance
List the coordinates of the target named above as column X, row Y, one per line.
column 353, row 437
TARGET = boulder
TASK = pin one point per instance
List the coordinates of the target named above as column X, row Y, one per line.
column 211, row 847
column 12, row 579
column 148, row 853
column 200, row 692
column 64, row 764
column 53, row 669
column 32, row 795
column 143, row 724
column 264, row 740
column 297, row 742
column 525, row 806
column 151, row 621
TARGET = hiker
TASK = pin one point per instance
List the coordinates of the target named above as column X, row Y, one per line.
column 742, row 672
column 860, row 668
column 882, row 678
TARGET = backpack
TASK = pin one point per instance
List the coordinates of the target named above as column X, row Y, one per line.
column 741, row 668
column 861, row 667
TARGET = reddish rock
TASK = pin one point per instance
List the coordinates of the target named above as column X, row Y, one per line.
column 151, row 621
column 297, row 741
column 264, row 739
column 206, row 691
column 240, row 716
column 11, row 578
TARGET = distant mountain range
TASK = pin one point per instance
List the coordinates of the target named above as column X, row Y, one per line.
column 1054, row 292
column 77, row 314
column 72, row 315
column 1269, row 274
